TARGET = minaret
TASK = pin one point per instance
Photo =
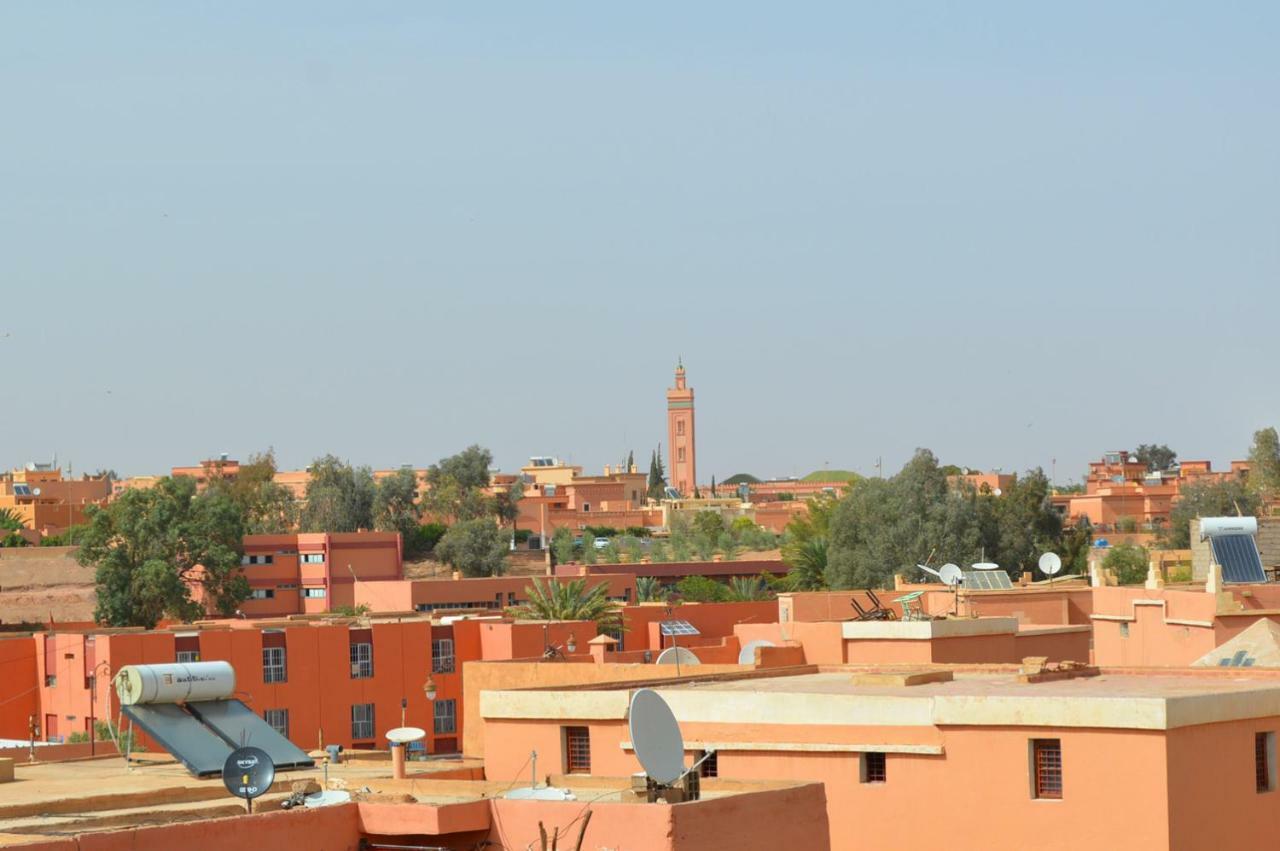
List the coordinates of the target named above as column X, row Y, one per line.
column 681, row 467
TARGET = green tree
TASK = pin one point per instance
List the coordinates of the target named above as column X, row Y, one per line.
column 708, row 523
column 1207, row 499
column 422, row 541
column 569, row 601
column 268, row 508
column 1264, row 465
column 713, row 487
column 659, row 551
column 10, row 525
column 657, row 476
column 648, row 589
column 612, row 554
column 1128, row 562
column 1157, row 457
column 705, row 546
column 742, row 589
column 1021, row 523
column 590, row 555
column 456, row 486
column 506, row 504
column 395, row 505
column 729, row 547
column 562, row 545
column 700, row 589
column 475, row 548
column 147, row 545
column 339, row 497
column 804, row 544
column 1074, row 549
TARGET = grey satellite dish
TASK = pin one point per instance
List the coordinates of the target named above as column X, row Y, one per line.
column 404, row 735
column 748, row 654
column 655, row 735
column 951, row 574
column 677, row 656
column 546, row 793
column 327, row 798
column 248, row 773
column 986, row 565
column 1050, row 564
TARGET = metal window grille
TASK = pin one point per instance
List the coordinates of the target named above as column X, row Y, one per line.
column 710, row 766
column 273, row 665
column 874, row 768
column 1047, row 759
column 278, row 719
column 361, row 661
column 446, row 717
column 1262, row 761
column 577, row 741
column 442, row 656
column 186, row 657
column 362, row 721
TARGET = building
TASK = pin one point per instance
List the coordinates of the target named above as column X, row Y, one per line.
column 682, row 464
column 45, row 502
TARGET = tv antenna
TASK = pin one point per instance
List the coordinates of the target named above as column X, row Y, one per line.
column 248, row 773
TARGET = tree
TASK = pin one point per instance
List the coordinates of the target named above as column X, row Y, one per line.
column 456, row 485
column 562, row 545
column 423, row 539
column 1157, row 457
column 1074, row 549
column 1207, row 499
column 804, row 544
column 506, row 504
column 743, row 589
column 700, row 589
column 713, row 487
column 648, row 589
column 589, row 553
column 1022, row 523
column 10, row 525
column 1128, row 562
column 339, row 497
column 475, row 548
column 569, row 601
column 657, row 476
column 708, row 523
column 268, row 508
column 395, row 505
column 659, row 551
column 741, row 478
column 1264, row 465
column 147, row 545
column 729, row 548
column 631, row 460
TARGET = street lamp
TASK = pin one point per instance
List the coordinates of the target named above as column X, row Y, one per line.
column 429, row 688
column 571, row 645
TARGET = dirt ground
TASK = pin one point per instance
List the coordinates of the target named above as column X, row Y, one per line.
column 38, row 584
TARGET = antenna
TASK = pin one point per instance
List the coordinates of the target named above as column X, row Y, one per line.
column 655, row 735
column 248, row 773
column 747, row 656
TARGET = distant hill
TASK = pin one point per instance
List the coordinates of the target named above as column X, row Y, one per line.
column 832, row 476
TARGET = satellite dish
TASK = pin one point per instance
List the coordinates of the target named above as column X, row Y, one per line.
column 546, row 793
column 997, row 491
column 677, row 656
column 35, row 491
column 327, row 798
column 656, row 736
column 951, row 574
column 986, row 565
column 248, row 772
column 1050, row 564
column 927, row 569
column 748, row 654
column 404, row 735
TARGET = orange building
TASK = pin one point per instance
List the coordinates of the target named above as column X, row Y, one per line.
column 682, row 466
column 47, row 503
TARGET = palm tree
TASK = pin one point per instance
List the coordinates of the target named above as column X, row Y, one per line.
column 647, row 589
column 744, row 590
column 804, row 547
column 10, row 524
column 569, row 601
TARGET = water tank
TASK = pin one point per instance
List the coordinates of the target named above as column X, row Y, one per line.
column 175, row 682
column 1214, row 527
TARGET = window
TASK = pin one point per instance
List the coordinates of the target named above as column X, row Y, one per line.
column 313, row 592
column 1046, row 768
column 1264, row 761
column 577, row 750
column 442, row 656
column 186, row 649
column 446, row 716
column 586, row 506
column 262, row 593
column 680, row 454
column 1124, row 630
column 679, row 426
column 874, row 768
column 710, row 766
column 362, row 721
column 257, row 559
column 273, row 657
column 361, row 654
column 186, row 657
column 312, row 558
column 278, row 719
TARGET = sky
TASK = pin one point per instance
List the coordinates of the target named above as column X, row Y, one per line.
column 1019, row 234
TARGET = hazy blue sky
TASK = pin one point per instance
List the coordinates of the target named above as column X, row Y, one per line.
column 1010, row 232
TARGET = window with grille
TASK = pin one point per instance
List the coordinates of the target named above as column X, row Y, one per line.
column 874, row 768
column 273, row 665
column 262, row 593
column 442, row 655
column 362, row 721
column 577, row 750
column 1264, row 761
column 446, row 717
column 361, row 661
column 278, row 720
column 186, row 657
column 710, row 766
column 1046, row 766
column 312, row 558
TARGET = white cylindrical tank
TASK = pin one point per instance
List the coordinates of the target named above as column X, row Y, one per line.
column 175, row 682
column 1214, row 527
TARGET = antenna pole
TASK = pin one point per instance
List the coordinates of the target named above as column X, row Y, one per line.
column 533, row 772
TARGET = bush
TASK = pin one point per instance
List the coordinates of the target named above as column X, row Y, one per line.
column 1126, row 524
column 422, row 541
column 700, row 589
column 599, row 532
column 639, row 531
column 522, row 536
column 1128, row 562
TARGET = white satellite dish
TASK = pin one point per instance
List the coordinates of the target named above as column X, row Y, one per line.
column 677, row 656
column 327, row 798
column 951, row 574
column 545, row 793
column 1050, row 564
column 655, row 735
column 748, row 654
column 404, row 735
column 35, row 491
column 986, row 565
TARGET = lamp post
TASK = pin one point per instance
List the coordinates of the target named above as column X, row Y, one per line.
column 429, row 690
column 93, row 700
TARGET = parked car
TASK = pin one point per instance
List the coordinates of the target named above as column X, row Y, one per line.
column 601, row 543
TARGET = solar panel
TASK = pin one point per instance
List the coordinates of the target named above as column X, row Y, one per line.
column 191, row 743
column 677, row 627
column 987, row 580
column 1238, row 555
column 237, row 724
